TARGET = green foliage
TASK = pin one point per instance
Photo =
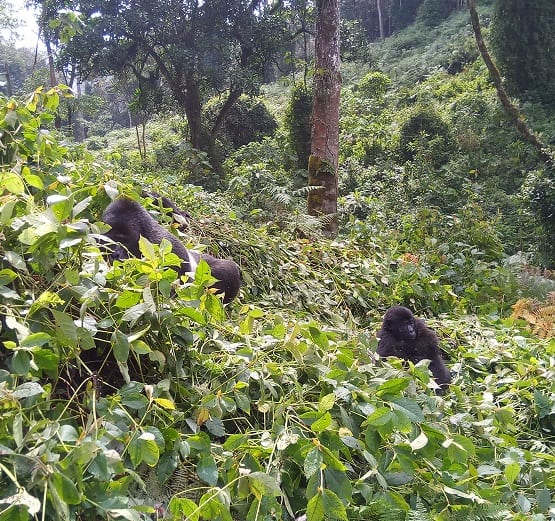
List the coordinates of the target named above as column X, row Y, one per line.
column 248, row 120
column 298, row 122
column 125, row 394
column 432, row 12
column 425, row 132
column 526, row 61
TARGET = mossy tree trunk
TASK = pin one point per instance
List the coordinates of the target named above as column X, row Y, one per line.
column 323, row 161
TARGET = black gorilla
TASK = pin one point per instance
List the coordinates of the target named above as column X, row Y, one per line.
column 410, row 338
column 129, row 221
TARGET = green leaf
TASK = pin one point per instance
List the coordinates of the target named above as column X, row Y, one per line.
column 127, row 299
column 315, row 508
column 46, row 360
column 21, row 362
column 120, row 346
column 207, row 469
column 393, row 386
column 326, row 403
column 319, row 337
column 183, row 508
column 66, row 330
column 408, row 407
column 11, row 182
column 65, row 488
column 143, row 448
column 262, row 484
column 135, row 312
column 333, row 506
column 7, row 276
column 36, row 339
column 379, row 417
column 22, row 498
column 339, row 482
column 313, row 462
column 27, row 389
column 512, row 470
column 322, row 423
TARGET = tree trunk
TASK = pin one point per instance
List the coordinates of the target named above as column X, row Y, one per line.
column 52, row 71
column 380, row 19
column 323, row 161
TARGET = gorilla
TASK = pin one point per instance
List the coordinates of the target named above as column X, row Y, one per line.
column 129, row 221
column 404, row 336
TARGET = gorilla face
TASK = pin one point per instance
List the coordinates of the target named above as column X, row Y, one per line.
column 400, row 323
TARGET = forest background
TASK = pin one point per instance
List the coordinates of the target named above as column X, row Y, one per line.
column 276, row 406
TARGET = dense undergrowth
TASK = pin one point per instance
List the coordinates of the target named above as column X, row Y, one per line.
column 124, row 395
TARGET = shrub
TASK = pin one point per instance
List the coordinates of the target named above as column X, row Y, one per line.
column 424, row 130
column 298, row 124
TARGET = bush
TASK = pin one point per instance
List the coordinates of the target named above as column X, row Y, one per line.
column 425, row 131
column 298, row 123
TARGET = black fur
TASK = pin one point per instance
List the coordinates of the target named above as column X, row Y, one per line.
column 404, row 336
column 129, row 221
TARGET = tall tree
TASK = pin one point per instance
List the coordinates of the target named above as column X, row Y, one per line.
column 523, row 41
column 195, row 48
column 323, row 160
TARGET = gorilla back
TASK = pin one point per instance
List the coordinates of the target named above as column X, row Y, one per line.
column 129, row 221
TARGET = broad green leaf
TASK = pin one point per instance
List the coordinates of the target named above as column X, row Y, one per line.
column 27, row 389
column 393, row 386
column 16, row 261
column 183, row 509
column 408, row 407
column 207, row 469
column 379, row 417
column 7, row 276
column 127, row 299
column 143, row 448
column 512, row 470
column 36, row 339
column 333, row 506
column 66, row 489
column 326, row 403
column 21, row 362
column 135, row 312
column 315, row 508
column 322, row 423
column 339, row 482
column 6, row 212
column 11, row 182
column 66, row 331
column 22, row 498
column 319, row 337
column 313, row 462
column 165, row 403
column 262, row 484
column 120, row 346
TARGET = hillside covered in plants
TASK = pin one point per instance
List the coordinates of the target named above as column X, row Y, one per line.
column 126, row 393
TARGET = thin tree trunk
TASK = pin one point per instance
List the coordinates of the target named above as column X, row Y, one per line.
column 380, row 19
column 511, row 108
column 8, row 78
column 323, row 161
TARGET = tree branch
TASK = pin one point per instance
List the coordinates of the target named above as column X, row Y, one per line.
column 511, row 108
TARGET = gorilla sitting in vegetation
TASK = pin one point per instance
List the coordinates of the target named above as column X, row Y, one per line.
column 404, row 336
column 129, row 221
